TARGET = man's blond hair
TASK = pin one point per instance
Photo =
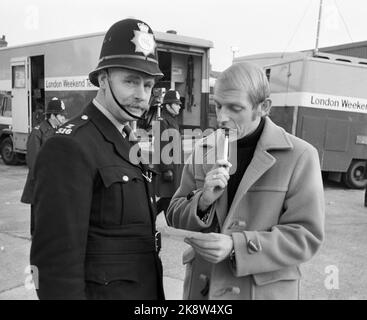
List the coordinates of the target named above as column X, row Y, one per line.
column 249, row 78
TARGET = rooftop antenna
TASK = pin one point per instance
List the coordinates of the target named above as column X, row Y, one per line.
column 316, row 51
column 234, row 50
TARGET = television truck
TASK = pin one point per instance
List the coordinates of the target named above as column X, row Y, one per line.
column 32, row 74
column 322, row 98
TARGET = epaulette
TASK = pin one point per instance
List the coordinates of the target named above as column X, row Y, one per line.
column 70, row 127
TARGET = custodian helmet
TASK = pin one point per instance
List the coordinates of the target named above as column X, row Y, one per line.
column 55, row 106
column 128, row 44
column 171, row 96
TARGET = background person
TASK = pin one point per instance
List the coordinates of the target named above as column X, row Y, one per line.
column 54, row 117
column 168, row 178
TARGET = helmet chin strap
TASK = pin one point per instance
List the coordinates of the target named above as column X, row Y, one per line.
column 120, row 105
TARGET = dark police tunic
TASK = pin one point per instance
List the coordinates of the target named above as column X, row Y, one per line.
column 166, row 187
column 95, row 222
column 168, row 178
column 39, row 135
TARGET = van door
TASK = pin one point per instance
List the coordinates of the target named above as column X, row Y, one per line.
column 20, row 71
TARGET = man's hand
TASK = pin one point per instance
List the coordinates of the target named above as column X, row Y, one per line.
column 214, row 248
column 215, row 182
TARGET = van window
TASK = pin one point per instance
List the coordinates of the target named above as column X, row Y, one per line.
column 343, row 60
column 18, row 76
column 5, row 106
column 268, row 72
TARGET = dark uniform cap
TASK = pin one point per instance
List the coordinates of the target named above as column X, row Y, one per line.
column 55, row 106
column 171, row 96
column 128, row 44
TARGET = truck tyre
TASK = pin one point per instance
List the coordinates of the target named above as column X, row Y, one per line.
column 6, row 151
column 354, row 178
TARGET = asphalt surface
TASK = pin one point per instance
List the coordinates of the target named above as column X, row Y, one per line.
column 338, row 271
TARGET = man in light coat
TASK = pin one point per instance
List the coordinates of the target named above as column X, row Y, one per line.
column 262, row 210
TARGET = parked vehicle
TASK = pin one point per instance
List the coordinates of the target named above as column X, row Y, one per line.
column 32, row 74
column 323, row 100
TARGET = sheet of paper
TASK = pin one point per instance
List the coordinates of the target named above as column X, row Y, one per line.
column 181, row 234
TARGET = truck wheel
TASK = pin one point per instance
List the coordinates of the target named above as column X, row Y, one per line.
column 354, row 178
column 6, row 151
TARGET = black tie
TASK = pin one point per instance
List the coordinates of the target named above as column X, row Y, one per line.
column 129, row 133
column 131, row 136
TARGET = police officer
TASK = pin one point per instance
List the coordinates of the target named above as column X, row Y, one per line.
column 169, row 174
column 95, row 233
column 54, row 117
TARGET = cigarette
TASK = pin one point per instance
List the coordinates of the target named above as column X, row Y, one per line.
column 226, row 143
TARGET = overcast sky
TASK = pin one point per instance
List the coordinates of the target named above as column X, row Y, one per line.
column 253, row 26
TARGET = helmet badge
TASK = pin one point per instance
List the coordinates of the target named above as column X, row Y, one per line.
column 144, row 41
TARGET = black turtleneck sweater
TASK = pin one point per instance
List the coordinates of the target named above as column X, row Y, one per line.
column 245, row 152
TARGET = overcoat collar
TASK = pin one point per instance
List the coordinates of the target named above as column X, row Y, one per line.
column 273, row 137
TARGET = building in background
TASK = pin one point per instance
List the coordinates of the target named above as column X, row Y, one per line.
column 3, row 42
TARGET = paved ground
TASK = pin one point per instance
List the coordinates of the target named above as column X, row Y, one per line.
column 344, row 253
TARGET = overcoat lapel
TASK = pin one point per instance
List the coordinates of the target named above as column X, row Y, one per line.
column 260, row 163
column 272, row 138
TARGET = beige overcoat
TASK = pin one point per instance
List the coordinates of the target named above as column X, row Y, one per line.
column 276, row 219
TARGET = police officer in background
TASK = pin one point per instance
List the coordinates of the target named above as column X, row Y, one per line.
column 169, row 174
column 95, row 232
column 54, row 117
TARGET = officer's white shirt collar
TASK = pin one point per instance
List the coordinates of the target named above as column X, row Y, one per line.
column 110, row 117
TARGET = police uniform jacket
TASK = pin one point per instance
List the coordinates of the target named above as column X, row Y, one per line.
column 166, row 186
column 39, row 135
column 276, row 220
column 95, row 223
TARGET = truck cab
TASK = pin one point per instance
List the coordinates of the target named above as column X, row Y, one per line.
column 6, row 140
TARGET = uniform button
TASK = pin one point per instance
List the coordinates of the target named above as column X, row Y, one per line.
column 125, row 179
column 84, row 117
